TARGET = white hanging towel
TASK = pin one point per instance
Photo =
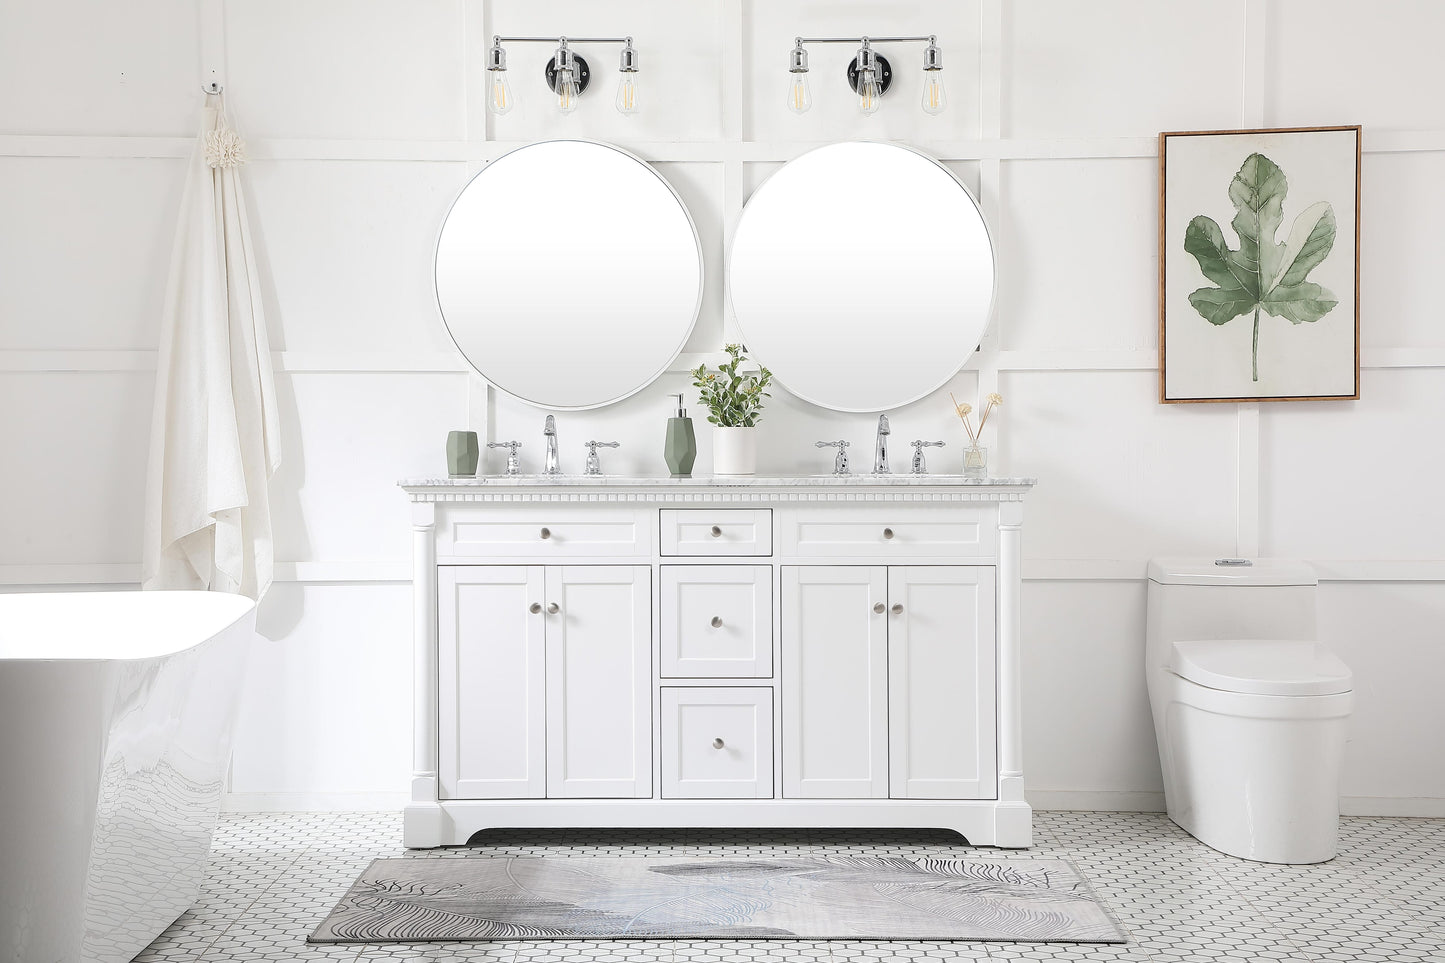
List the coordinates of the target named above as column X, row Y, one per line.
column 215, row 441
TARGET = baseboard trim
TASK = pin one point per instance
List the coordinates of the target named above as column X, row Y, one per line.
column 1064, row 800
column 1423, row 806
column 1104, row 801
column 313, row 802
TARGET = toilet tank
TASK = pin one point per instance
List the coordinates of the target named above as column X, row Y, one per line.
column 1200, row 599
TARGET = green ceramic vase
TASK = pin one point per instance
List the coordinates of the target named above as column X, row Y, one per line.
column 462, row 454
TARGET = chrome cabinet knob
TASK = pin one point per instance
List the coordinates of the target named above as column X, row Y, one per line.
column 717, row 743
column 887, row 533
column 879, row 607
column 717, row 622
column 535, row 607
column 546, row 532
column 897, row 608
column 553, row 608
column 716, row 532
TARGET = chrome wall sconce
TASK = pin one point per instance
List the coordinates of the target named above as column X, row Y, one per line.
column 869, row 73
column 567, row 73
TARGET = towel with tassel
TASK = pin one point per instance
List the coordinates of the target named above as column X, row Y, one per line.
column 215, row 439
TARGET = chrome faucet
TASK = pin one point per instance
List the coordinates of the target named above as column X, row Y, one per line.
column 920, row 466
column 549, row 429
column 880, row 448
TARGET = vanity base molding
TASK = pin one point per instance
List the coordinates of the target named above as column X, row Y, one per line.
column 759, row 653
column 983, row 822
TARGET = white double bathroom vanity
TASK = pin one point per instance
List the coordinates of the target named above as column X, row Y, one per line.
column 748, row 652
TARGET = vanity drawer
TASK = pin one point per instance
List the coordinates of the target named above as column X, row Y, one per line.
column 566, row 534
column 725, row 531
column 717, row 743
column 887, row 533
column 717, row 621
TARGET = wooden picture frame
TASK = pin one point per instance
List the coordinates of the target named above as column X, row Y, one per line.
column 1289, row 198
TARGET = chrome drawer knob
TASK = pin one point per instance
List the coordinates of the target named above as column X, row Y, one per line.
column 546, row 533
column 897, row 608
column 716, row 532
column 553, row 608
column 887, row 533
column 535, row 607
column 879, row 607
column 717, row 743
column 716, row 622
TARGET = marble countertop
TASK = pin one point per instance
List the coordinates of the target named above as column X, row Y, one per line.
column 716, row 481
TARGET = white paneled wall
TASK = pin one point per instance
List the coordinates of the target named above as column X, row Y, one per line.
column 364, row 118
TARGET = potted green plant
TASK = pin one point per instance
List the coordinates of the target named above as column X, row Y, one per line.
column 734, row 404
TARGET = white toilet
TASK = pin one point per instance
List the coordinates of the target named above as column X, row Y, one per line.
column 1249, row 710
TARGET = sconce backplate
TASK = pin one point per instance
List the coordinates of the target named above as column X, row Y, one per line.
column 885, row 73
column 584, row 74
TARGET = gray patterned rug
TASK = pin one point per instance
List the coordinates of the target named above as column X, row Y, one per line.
column 821, row 898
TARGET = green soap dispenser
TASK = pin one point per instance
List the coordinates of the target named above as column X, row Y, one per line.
column 679, row 449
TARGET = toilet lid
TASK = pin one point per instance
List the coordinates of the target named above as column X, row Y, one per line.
column 1261, row 666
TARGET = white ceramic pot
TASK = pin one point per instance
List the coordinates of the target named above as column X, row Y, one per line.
column 734, row 451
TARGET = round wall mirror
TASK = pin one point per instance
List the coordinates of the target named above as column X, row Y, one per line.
column 569, row 274
column 862, row 275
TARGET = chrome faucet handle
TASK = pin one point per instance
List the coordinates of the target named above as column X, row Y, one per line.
column 594, row 464
column 513, row 465
column 920, row 467
column 840, row 464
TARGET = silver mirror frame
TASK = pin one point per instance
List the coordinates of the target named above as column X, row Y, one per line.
column 671, row 357
column 925, row 391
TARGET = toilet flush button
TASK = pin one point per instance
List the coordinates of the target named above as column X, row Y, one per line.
column 1233, row 561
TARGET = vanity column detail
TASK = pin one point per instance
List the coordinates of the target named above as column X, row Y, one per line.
column 1013, row 822
column 422, row 819
column 835, row 681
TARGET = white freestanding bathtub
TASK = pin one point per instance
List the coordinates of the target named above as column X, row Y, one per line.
column 116, row 710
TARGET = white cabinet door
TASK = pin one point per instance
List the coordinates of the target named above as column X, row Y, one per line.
column 599, row 677
column 941, row 682
column 491, row 720
column 835, row 681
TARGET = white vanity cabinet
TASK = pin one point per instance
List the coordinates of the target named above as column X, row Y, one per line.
column 546, row 681
column 888, row 681
column 717, row 652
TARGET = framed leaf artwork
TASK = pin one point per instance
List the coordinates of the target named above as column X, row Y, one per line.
column 1259, row 265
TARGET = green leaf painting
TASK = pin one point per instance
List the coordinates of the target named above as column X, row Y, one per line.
column 1263, row 273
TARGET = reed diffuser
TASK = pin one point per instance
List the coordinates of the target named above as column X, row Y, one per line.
column 975, row 456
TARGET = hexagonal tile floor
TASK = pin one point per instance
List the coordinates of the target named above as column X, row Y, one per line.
column 274, row 876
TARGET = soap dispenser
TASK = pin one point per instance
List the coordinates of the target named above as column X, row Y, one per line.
column 679, row 448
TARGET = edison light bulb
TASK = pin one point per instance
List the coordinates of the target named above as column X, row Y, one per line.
column 567, row 92
column 627, row 95
column 934, row 98
column 499, row 92
column 627, row 85
column 870, row 92
column 869, row 82
column 800, row 98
